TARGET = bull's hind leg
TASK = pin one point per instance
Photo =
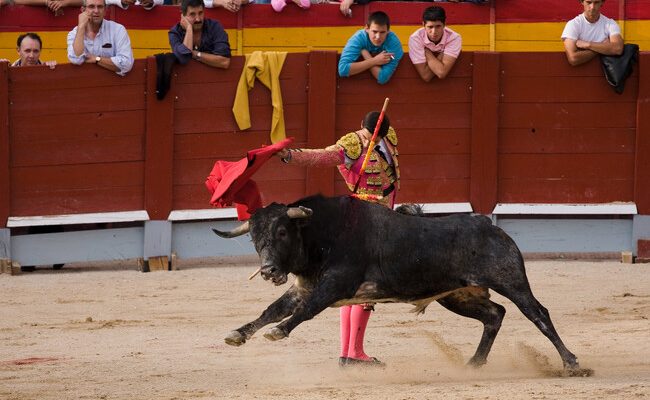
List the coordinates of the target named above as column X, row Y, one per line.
column 523, row 298
column 475, row 303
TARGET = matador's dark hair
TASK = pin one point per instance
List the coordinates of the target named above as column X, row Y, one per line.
column 370, row 121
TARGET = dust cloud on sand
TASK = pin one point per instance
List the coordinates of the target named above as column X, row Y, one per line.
column 111, row 332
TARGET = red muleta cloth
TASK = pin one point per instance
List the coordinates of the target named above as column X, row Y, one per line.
column 229, row 182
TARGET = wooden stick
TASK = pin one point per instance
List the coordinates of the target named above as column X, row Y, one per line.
column 255, row 273
column 371, row 145
column 373, row 140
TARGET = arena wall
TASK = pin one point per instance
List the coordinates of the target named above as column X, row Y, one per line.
column 550, row 151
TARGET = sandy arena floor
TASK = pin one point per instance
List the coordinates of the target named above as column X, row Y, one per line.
column 111, row 332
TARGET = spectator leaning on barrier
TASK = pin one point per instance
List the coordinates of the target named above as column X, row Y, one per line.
column 278, row 5
column 199, row 38
column 591, row 33
column 230, row 5
column 96, row 40
column 29, row 47
column 462, row 1
column 434, row 48
column 345, row 5
column 374, row 48
column 56, row 6
column 124, row 4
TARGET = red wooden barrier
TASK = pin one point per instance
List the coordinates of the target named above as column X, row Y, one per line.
column 512, row 127
column 5, row 188
column 76, row 140
column 159, row 149
column 642, row 151
column 485, row 122
column 321, row 117
column 564, row 135
column 205, row 129
column 433, row 123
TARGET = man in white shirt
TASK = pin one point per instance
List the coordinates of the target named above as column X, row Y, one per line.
column 96, row 40
column 590, row 34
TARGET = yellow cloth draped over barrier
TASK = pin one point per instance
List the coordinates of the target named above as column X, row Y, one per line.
column 265, row 66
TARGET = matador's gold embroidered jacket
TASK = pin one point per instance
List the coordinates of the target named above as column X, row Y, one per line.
column 380, row 181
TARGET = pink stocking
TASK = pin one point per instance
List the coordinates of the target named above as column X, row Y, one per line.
column 358, row 323
column 345, row 330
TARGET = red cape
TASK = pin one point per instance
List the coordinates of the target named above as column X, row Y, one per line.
column 229, row 182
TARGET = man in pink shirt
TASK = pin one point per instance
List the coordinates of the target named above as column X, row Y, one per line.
column 434, row 48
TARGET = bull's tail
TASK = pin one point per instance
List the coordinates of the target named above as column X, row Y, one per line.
column 419, row 308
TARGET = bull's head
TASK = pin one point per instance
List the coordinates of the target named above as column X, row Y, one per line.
column 275, row 231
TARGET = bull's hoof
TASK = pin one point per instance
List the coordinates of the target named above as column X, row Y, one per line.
column 577, row 372
column 275, row 334
column 476, row 362
column 235, row 338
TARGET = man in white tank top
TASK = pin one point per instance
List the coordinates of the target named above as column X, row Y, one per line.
column 590, row 34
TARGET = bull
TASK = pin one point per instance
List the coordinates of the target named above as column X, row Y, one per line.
column 346, row 251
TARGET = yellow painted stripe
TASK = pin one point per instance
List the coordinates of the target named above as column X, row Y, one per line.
column 545, row 36
column 153, row 38
column 637, row 31
column 298, row 37
column 474, row 37
column 539, row 36
column 51, row 39
column 529, row 31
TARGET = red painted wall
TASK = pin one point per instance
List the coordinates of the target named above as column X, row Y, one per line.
column 511, row 127
column 432, row 122
column 564, row 136
column 205, row 129
column 76, row 140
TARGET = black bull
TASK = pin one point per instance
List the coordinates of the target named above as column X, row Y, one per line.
column 346, row 251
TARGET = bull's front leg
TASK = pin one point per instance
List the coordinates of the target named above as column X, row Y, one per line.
column 323, row 296
column 277, row 311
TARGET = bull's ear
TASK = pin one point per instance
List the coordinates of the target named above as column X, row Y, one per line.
column 299, row 212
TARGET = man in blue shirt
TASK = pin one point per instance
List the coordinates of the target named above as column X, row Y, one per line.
column 374, row 48
column 196, row 37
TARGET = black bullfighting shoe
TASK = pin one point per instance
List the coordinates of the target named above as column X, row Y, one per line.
column 372, row 362
column 343, row 361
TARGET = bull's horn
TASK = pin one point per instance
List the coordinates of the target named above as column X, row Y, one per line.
column 238, row 231
column 299, row 212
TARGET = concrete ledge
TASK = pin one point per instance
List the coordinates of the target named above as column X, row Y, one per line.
column 574, row 234
column 195, row 239
column 565, row 209
column 231, row 212
column 195, row 215
column 74, row 219
column 78, row 246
